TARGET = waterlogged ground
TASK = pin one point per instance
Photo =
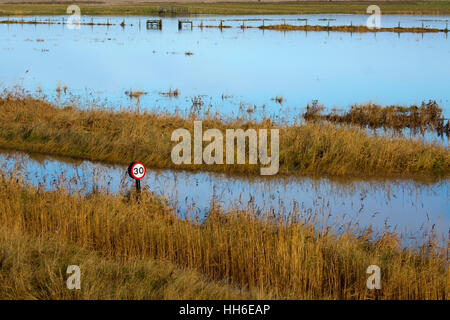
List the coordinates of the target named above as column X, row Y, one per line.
column 410, row 208
column 233, row 71
column 238, row 72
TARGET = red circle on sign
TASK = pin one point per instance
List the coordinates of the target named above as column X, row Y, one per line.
column 138, row 175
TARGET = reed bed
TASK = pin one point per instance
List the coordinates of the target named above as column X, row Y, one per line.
column 35, row 125
column 35, row 268
column 346, row 28
column 427, row 116
column 282, row 255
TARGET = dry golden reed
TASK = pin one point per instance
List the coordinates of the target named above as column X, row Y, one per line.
column 277, row 255
column 35, row 268
column 426, row 117
column 352, row 29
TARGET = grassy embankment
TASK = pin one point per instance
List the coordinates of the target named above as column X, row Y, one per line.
column 116, row 240
column 358, row 7
column 121, row 137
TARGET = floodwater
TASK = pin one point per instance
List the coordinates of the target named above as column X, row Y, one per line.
column 231, row 70
column 413, row 209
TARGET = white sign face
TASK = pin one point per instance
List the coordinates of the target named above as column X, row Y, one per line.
column 138, row 171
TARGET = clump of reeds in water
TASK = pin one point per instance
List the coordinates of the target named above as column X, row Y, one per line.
column 350, row 28
column 427, row 116
column 171, row 93
column 135, row 94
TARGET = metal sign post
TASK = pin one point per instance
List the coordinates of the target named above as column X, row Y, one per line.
column 136, row 171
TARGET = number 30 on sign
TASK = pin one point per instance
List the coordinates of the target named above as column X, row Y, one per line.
column 136, row 170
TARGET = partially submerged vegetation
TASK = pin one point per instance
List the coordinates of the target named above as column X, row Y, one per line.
column 233, row 8
column 350, row 28
column 135, row 94
column 277, row 27
column 172, row 93
column 268, row 255
column 35, row 125
column 426, row 117
column 52, row 22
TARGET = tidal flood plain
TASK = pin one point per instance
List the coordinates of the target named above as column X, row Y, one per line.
column 412, row 209
column 230, row 70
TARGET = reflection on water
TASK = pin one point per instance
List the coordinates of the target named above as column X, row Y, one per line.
column 233, row 69
column 408, row 207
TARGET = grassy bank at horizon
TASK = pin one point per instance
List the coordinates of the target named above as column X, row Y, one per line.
column 33, row 125
column 314, row 7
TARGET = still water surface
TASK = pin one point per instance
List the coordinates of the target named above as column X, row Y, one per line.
column 408, row 207
column 233, row 69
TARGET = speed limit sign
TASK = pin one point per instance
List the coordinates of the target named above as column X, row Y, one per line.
column 136, row 170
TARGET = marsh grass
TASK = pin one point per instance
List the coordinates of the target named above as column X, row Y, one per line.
column 174, row 93
column 35, row 125
column 270, row 254
column 135, row 94
column 35, row 268
column 345, row 28
column 427, row 116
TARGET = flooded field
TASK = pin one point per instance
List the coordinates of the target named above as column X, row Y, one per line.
column 357, row 180
column 413, row 209
column 118, row 62
column 229, row 70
